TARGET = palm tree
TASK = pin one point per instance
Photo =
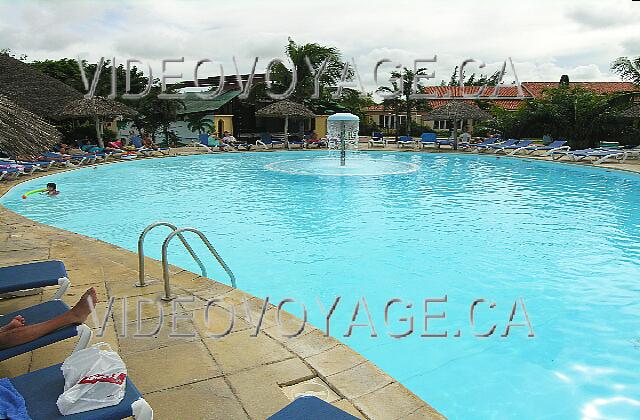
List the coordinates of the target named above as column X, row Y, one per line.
column 628, row 69
column 316, row 53
column 201, row 125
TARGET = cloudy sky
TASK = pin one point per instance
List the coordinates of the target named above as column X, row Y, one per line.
column 545, row 38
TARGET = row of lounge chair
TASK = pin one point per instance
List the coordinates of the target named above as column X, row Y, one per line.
column 12, row 169
column 40, row 389
column 557, row 149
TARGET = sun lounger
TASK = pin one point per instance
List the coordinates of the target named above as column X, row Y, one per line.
column 427, row 139
column 406, row 141
column 444, row 142
column 41, row 389
column 595, row 156
column 9, row 173
column 499, row 146
column 266, row 140
column 299, row 143
column 40, row 313
column 475, row 147
column 311, row 408
column 34, row 275
column 548, row 149
column 513, row 147
column 377, row 139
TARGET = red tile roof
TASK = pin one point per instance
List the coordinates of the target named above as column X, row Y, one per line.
column 536, row 88
column 508, row 95
column 456, row 91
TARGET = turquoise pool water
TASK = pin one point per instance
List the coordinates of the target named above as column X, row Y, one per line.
column 564, row 239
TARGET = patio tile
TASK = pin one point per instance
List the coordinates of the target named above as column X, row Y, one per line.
column 391, row 402
column 211, row 399
column 256, row 351
column 259, row 391
column 335, row 360
column 360, row 380
column 168, row 367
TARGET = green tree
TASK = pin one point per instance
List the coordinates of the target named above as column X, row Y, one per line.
column 576, row 114
column 199, row 124
column 628, row 69
column 403, row 103
column 67, row 70
column 156, row 114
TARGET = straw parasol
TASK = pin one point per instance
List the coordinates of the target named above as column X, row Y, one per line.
column 33, row 90
column 96, row 108
column 285, row 109
column 454, row 111
column 22, row 132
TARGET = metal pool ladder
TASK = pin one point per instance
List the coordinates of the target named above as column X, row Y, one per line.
column 165, row 261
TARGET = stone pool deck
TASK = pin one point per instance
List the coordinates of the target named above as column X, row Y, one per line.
column 196, row 376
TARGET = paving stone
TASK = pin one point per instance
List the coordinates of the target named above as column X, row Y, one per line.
column 391, row 402
column 210, row 400
column 259, row 350
column 258, row 389
column 360, row 380
column 168, row 367
column 155, row 333
column 335, row 360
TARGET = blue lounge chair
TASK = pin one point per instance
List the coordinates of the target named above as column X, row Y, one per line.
column 9, row 173
column 548, row 149
column 41, row 389
column 299, row 143
column 406, row 141
column 40, row 313
column 427, row 139
column 475, row 147
column 267, row 140
column 497, row 146
column 377, row 139
column 444, row 142
column 136, row 142
column 595, row 156
column 513, row 147
column 311, row 408
column 34, row 275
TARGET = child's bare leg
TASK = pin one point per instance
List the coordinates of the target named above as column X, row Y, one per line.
column 76, row 315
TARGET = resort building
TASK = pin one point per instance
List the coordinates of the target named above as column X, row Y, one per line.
column 507, row 98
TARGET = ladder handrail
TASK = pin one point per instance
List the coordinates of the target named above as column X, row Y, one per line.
column 165, row 261
column 173, row 227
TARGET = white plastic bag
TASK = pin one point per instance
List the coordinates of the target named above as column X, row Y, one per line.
column 93, row 378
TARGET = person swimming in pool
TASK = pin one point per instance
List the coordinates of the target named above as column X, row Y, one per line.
column 52, row 189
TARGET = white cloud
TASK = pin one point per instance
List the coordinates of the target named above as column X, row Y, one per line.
column 546, row 38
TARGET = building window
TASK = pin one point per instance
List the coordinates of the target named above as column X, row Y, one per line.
column 389, row 121
column 445, row 124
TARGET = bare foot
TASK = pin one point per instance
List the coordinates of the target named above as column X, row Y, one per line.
column 85, row 305
column 16, row 322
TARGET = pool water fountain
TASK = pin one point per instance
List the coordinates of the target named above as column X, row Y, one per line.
column 342, row 135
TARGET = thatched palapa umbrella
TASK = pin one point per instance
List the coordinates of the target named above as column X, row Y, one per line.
column 33, row 90
column 97, row 108
column 457, row 110
column 22, row 132
column 285, row 109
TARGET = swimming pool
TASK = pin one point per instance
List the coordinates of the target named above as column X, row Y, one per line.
column 564, row 239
